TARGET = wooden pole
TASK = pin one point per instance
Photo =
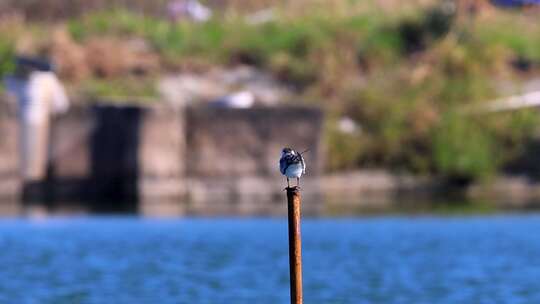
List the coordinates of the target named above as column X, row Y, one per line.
column 295, row 244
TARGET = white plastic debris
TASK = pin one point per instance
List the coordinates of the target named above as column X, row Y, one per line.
column 239, row 100
column 190, row 9
column 347, row 125
column 260, row 17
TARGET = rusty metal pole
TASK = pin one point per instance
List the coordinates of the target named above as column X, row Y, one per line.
column 295, row 244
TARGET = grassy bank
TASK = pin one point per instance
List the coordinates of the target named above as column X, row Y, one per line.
column 404, row 75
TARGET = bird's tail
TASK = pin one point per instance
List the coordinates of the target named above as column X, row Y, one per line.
column 307, row 150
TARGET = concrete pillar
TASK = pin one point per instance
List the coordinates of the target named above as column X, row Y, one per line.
column 9, row 162
column 162, row 185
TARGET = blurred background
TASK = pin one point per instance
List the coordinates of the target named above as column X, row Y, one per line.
column 139, row 148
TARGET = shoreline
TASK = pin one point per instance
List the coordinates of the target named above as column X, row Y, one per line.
column 366, row 193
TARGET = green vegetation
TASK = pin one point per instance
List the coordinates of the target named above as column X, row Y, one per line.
column 7, row 65
column 457, row 206
column 463, row 148
column 406, row 76
column 140, row 90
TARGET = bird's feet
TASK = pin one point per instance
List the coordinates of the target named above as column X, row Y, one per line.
column 293, row 188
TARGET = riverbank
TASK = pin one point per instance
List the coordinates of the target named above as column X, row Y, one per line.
column 382, row 192
column 392, row 77
column 169, row 161
column 352, row 194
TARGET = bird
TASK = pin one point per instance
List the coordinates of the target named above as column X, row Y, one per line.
column 292, row 165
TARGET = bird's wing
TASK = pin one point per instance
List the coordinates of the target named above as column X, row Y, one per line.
column 303, row 163
column 288, row 160
column 283, row 164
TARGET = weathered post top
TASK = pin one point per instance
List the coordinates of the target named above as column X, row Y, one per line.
column 295, row 244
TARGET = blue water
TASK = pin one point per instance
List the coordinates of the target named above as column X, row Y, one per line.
column 493, row 259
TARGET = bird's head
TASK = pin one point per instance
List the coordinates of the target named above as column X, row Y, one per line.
column 287, row 151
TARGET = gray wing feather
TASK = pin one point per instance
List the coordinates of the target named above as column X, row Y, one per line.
column 283, row 165
column 288, row 160
column 303, row 163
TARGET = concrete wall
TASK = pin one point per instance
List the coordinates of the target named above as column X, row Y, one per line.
column 161, row 183
column 160, row 160
column 232, row 158
column 119, row 158
column 9, row 177
column 248, row 142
